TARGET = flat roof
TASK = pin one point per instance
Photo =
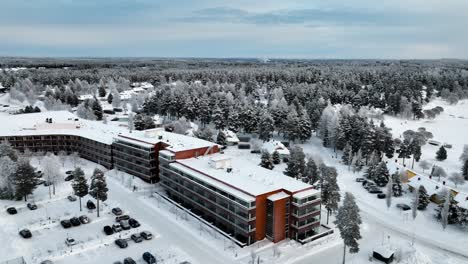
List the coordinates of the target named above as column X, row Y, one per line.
column 278, row 196
column 246, row 174
column 64, row 123
column 306, row 193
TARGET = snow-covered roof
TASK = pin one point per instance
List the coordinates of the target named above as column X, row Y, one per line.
column 432, row 186
column 462, row 200
column 64, row 123
column 245, row 175
column 304, row 194
column 85, row 96
column 278, row 196
column 385, row 250
column 273, row 145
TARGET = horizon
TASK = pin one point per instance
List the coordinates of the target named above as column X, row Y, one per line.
column 301, row 29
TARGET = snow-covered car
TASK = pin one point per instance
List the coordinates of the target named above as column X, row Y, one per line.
column 403, row 207
column 69, row 172
column 47, row 262
column 121, row 243
column 11, row 210
column 70, row 241
column 136, row 237
column 360, row 179
column 381, row 195
column 146, row 235
column 32, row 206
column 71, row 198
column 25, row 233
column 116, row 227
column 84, row 219
column 117, row 211
column 125, row 225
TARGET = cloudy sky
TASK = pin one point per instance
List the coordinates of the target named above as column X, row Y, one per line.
column 424, row 29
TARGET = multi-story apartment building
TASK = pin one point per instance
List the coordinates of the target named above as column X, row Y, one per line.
column 241, row 198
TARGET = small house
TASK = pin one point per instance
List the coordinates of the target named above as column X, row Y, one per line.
column 384, row 253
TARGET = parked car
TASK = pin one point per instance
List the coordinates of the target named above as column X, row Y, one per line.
column 32, row 206
column 71, row 198
column 381, row 195
column 136, row 237
column 360, row 179
column 47, row 183
column 117, row 262
column 12, row 210
column 116, row 228
column 69, row 172
column 146, row 235
column 403, row 207
column 122, row 217
column 66, row 223
column 374, row 190
column 369, row 185
column 129, row 261
column 69, row 177
column 125, row 225
column 84, row 219
column 75, row 221
column 90, row 205
column 121, row 243
column 25, row 233
column 108, row 230
column 70, row 241
column 117, row 211
column 39, row 174
column 40, row 182
column 47, row 262
column 133, row 223
column 149, row 258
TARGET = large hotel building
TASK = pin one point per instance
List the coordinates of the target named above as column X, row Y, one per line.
column 228, row 189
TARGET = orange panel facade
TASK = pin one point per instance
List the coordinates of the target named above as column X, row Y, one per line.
column 280, row 220
column 192, row 153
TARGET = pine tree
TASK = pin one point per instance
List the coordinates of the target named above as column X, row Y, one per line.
column 296, row 163
column 218, row 119
column 348, row 221
column 148, row 122
column 110, row 97
column 7, row 150
column 97, row 109
column 233, row 121
column 98, row 188
column 381, row 175
column 266, row 161
column 444, row 214
column 25, row 179
column 138, row 122
column 204, row 111
column 292, row 125
column 397, row 187
column 102, row 91
column 276, row 157
column 441, row 154
column 370, row 172
column 311, row 171
column 79, row 184
column 305, row 127
column 221, row 138
column 330, row 190
column 465, row 170
column 405, row 151
column 347, row 155
column 265, row 127
column 424, row 198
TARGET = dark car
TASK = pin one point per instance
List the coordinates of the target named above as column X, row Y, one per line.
column 381, row 195
column 122, row 217
column 66, row 223
column 403, row 207
column 117, row 262
column 69, row 177
column 129, row 261
column 11, row 210
column 25, row 233
column 47, row 183
column 117, row 211
column 121, row 243
column 108, row 230
column 149, row 258
column 71, row 198
column 69, row 172
column 90, row 205
column 31, row 206
column 136, row 237
column 146, row 235
column 84, row 219
column 40, row 182
column 75, row 221
column 374, row 190
column 39, row 174
column 133, row 223
column 360, row 179
column 47, row 262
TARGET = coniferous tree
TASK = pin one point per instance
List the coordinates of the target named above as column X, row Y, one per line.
column 311, row 171
column 97, row 109
column 465, row 170
column 381, row 175
column 348, row 221
column 148, row 122
column 397, row 186
column 266, row 161
column 296, row 164
column 102, row 91
column 204, row 111
column 265, row 127
column 292, row 125
column 25, row 179
column 275, row 157
column 347, row 155
column 218, row 119
column 98, row 188
column 441, row 154
column 305, row 127
column 233, row 121
column 405, row 151
column 330, row 190
column 80, row 184
column 221, row 138
column 370, row 172
column 424, row 198
column 389, row 195
column 110, row 97
column 138, row 122
column 7, row 150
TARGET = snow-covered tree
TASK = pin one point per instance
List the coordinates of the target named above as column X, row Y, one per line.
column 456, row 178
column 415, row 206
column 205, row 133
column 381, row 175
column 347, row 155
column 465, row 170
column 311, row 171
column 305, row 127
column 445, row 210
column 275, row 157
column 80, row 184
column 218, row 119
column 348, row 220
column 389, row 195
column 292, row 125
column 423, row 197
column 98, row 188
column 25, row 179
column 221, row 138
column 425, row 165
column 397, row 187
column 441, row 154
column 7, row 173
column 7, row 150
column 296, row 164
column 464, row 155
column 438, row 171
column 265, row 127
column 131, row 123
column 266, row 161
column 330, row 190
column 51, row 170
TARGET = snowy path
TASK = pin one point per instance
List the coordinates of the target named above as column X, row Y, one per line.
column 167, row 228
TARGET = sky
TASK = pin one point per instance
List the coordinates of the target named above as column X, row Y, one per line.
column 333, row 29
